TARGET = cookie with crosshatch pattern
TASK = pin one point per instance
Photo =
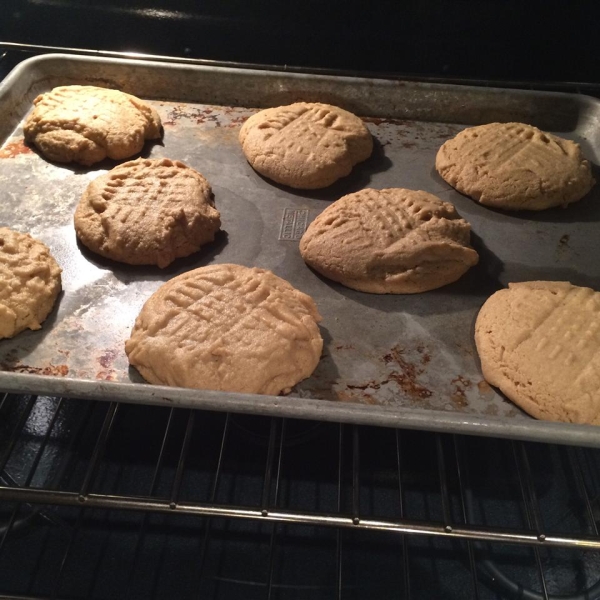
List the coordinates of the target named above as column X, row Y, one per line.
column 515, row 167
column 147, row 212
column 539, row 342
column 227, row 327
column 391, row 241
column 86, row 124
column 305, row 145
column 30, row 281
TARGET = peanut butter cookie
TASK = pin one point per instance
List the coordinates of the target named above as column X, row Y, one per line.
column 392, row 241
column 539, row 342
column 29, row 282
column 85, row 124
column 304, row 145
column 147, row 212
column 229, row 328
column 515, row 167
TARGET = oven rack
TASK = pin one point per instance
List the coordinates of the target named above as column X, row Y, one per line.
column 62, row 460
column 359, row 505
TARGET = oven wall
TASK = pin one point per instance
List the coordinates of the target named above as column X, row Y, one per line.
column 484, row 39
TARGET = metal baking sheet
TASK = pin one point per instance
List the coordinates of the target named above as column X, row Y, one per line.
column 400, row 361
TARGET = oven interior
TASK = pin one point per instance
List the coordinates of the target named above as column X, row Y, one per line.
column 109, row 500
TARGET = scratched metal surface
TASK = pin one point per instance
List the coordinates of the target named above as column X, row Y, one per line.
column 388, row 360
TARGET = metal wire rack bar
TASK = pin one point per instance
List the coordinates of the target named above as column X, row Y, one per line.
column 271, row 560
column 153, row 484
column 72, row 537
column 185, row 448
column 405, row 560
column 73, row 442
column 355, row 476
column 339, row 537
column 266, row 490
column 582, row 488
column 33, row 468
column 13, row 437
column 213, row 495
column 532, row 516
column 462, row 475
column 98, row 451
column 90, row 475
column 441, row 461
column 64, row 498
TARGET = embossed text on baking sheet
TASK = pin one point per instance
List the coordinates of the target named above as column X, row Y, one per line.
column 293, row 223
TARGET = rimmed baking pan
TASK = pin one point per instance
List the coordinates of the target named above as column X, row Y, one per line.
column 397, row 361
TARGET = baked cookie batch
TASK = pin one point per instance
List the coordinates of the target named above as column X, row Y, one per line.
column 233, row 328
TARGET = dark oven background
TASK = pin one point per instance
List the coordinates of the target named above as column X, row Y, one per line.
column 477, row 39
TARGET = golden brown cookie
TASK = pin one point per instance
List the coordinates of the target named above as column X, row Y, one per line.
column 515, row 167
column 539, row 342
column 86, row 124
column 304, row 145
column 392, row 241
column 29, row 282
column 147, row 212
column 229, row 328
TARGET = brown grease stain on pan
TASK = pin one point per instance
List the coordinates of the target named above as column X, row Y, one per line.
column 107, row 358
column 15, row 148
column 109, row 375
column 54, row 370
column 405, row 368
column 564, row 240
column 425, row 356
column 219, row 116
column 345, row 396
column 484, row 387
column 179, row 112
column 563, row 249
column 373, row 385
column 416, row 128
column 407, row 374
column 491, row 410
column 237, row 121
column 459, row 396
column 404, row 374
